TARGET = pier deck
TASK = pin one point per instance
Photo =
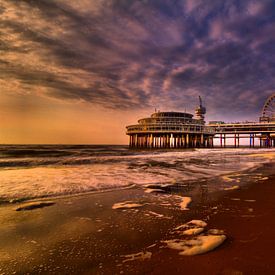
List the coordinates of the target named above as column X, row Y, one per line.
column 264, row 131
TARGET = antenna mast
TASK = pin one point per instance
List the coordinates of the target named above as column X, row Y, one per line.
column 200, row 111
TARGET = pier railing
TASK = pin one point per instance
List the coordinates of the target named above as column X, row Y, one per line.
column 243, row 128
column 166, row 128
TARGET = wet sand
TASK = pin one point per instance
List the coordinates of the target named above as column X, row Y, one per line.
column 247, row 217
column 84, row 235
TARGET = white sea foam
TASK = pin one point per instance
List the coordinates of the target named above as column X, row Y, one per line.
column 232, row 188
column 193, row 231
column 137, row 256
column 158, row 215
column 192, row 242
column 193, row 227
column 264, row 178
column 215, row 231
column 126, row 205
column 185, row 201
column 115, row 171
column 198, row 245
column 227, row 178
column 151, row 246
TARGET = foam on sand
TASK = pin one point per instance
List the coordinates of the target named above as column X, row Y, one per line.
column 197, row 245
column 193, row 231
column 193, row 241
column 250, row 200
column 126, row 205
column 198, row 223
column 34, row 205
column 215, row 231
column 264, row 178
column 157, row 215
column 193, row 223
column 137, row 256
column 235, row 187
column 185, row 202
column 157, row 188
column 227, row 178
column 193, row 227
column 269, row 155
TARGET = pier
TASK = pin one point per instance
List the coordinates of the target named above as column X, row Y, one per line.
column 263, row 131
column 172, row 130
column 182, row 130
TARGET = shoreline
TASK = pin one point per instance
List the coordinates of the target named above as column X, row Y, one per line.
column 15, row 201
column 83, row 234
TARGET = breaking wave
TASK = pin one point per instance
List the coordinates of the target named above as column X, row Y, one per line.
column 41, row 171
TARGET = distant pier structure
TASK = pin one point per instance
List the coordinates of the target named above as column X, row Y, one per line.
column 172, row 130
column 263, row 131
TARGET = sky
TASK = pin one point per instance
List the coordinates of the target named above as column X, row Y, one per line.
column 80, row 71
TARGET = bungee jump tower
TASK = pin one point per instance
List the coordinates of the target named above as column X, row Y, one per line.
column 172, row 130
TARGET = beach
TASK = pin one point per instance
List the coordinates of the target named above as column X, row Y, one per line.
column 129, row 230
column 137, row 137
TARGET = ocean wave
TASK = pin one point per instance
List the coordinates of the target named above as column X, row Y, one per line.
column 80, row 171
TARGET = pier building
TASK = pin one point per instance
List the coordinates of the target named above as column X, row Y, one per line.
column 172, row 130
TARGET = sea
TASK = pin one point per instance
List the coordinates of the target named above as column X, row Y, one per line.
column 39, row 171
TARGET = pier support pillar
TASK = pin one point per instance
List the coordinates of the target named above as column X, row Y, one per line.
column 260, row 141
column 171, row 141
column 251, row 140
column 183, row 141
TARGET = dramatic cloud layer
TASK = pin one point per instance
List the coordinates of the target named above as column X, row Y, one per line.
column 123, row 54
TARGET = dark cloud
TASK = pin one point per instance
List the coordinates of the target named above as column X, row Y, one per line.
column 139, row 53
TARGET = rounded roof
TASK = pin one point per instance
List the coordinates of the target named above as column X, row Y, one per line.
column 171, row 114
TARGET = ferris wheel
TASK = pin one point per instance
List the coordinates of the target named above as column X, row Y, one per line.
column 268, row 111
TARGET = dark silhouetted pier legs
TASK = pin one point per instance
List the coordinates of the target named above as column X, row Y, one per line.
column 170, row 140
column 265, row 140
column 190, row 140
